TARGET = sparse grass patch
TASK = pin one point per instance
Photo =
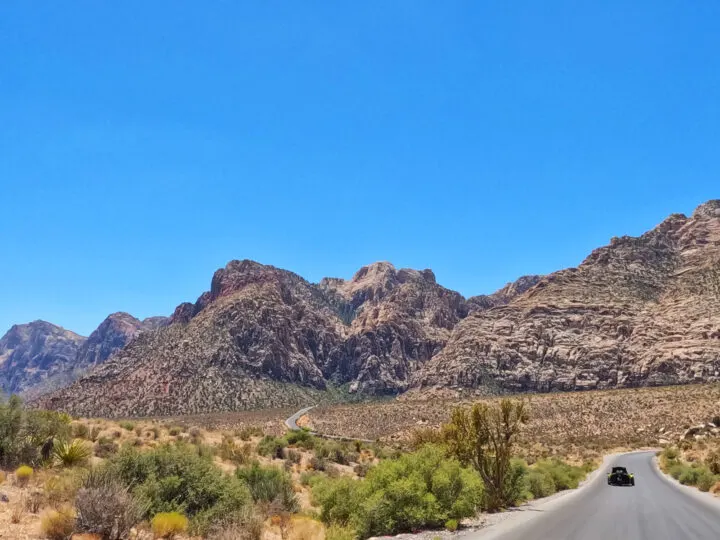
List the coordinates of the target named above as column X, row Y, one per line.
column 127, row 425
column 169, row 524
column 57, row 524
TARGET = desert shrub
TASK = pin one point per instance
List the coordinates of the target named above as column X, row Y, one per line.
column 71, row 453
column 126, row 425
column 452, row 525
column 80, row 431
column 3, row 477
column 338, row 532
column 706, row 480
column 237, row 453
column 247, row 432
column 422, row 489
column 564, row 476
column 23, row 474
column 155, row 432
column 306, row 477
column 422, row 436
column 174, row 431
column 271, row 446
column 246, row 526
column 484, row 437
column 34, row 501
column 175, row 478
column 269, row 484
column 361, row 469
column 23, row 432
column 516, row 489
column 103, row 494
column 317, row 464
column 713, row 461
column 196, row 435
column 95, row 433
column 57, row 524
column 61, row 488
column 298, row 436
column 293, row 456
column 105, row 447
column 168, row 524
column 540, row 484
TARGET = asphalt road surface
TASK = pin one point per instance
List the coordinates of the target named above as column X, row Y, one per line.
column 291, row 422
column 655, row 509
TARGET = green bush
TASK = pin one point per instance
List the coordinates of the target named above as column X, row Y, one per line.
column 540, row 484
column 713, row 461
column 422, row 489
column 23, row 432
column 175, row 478
column 452, row 525
column 337, row 532
column 299, row 436
column 269, row 484
column 564, row 476
column 247, row 432
column 271, row 446
column 126, row 425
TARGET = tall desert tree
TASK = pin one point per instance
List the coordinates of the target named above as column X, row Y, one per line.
column 483, row 437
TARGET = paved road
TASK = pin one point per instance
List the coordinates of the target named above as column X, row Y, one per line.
column 655, row 509
column 291, row 422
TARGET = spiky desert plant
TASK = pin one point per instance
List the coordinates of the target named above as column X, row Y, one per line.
column 71, row 453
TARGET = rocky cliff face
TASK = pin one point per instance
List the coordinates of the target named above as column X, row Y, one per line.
column 266, row 337
column 31, row 353
column 116, row 331
column 640, row 311
column 38, row 357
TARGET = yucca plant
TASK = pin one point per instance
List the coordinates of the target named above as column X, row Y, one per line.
column 71, row 453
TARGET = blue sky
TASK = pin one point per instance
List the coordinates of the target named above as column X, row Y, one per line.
column 145, row 144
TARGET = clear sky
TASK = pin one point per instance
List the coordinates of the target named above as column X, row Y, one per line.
column 145, row 144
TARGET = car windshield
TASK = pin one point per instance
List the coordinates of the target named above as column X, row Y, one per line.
column 619, row 469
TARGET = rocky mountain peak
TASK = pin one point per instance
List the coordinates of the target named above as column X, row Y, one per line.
column 710, row 209
column 32, row 352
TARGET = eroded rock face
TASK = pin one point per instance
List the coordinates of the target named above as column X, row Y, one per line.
column 31, row 353
column 116, row 331
column 266, row 337
column 640, row 311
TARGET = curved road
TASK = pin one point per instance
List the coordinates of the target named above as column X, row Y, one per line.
column 657, row 508
column 291, row 422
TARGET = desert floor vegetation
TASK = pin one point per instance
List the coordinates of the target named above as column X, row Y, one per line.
column 432, row 465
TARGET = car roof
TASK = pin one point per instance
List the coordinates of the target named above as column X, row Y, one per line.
column 619, row 469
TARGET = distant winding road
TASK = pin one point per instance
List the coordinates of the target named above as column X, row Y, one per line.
column 291, row 422
column 657, row 508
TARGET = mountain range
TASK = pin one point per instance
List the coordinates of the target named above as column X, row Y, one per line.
column 639, row 311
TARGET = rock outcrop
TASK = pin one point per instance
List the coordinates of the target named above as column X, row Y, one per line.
column 640, row 311
column 31, row 353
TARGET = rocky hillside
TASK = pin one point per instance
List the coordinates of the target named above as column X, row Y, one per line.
column 640, row 311
column 262, row 336
column 116, row 331
column 38, row 357
column 31, row 353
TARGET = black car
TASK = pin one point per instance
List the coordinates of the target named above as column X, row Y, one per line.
column 619, row 476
